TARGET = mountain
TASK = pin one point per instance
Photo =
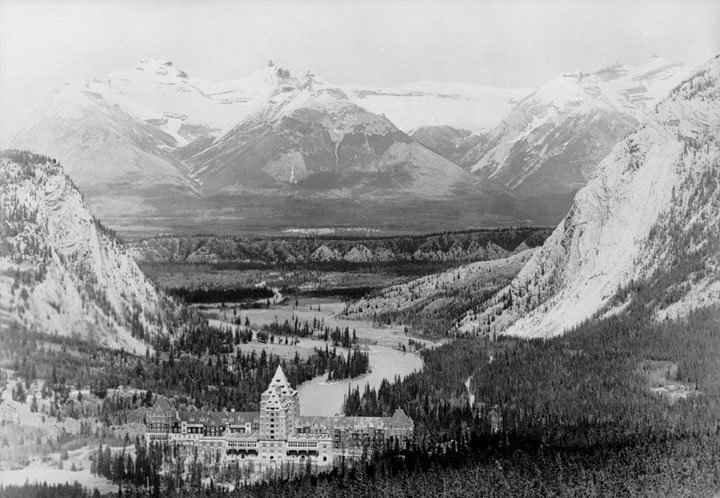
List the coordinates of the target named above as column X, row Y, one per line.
column 154, row 148
column 157, row 150
column 60, row 273
column 310, row 135
column 454, row 144
column 650, row 216
column 120, row 134
column 551, row 141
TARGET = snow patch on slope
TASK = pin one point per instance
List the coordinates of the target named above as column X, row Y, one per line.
column 476, row 108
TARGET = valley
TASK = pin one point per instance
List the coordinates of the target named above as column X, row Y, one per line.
column 469, row 249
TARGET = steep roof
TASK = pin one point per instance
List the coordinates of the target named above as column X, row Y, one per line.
column 279, row 379
column 161, row 405
column 401, row 417
column 280, row 384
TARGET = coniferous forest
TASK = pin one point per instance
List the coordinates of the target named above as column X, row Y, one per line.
column 583, row 414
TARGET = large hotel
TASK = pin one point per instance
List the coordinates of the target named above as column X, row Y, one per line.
column 278, row 433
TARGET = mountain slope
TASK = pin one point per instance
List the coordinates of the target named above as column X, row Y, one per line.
column 430, row 303
column 553, row 139
column 153, row 147
column 60, row 274
column 652, row 210
column 121, row 162
column 451, row 143
column 121, row 133
column 312, row 136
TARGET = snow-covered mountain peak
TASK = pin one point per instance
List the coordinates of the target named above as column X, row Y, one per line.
column 562, row 91
column 553, row 139
column 627, row 88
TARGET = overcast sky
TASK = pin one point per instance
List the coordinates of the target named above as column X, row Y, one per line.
column 508, row 43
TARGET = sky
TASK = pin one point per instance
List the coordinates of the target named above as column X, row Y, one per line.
column 505, row 43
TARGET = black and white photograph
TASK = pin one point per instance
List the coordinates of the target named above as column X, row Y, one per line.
column 359, row 249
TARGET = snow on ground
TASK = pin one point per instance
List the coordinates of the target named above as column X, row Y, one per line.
column 19, row 414
column 41, row 473
column 701, row 294
column 470, row 107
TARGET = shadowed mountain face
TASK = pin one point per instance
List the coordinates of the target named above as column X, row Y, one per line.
column 316, row 139
column 454, row 144
column 552, row 140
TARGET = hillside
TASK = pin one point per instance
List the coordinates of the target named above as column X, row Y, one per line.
column 430, row 303
column 123, row 163
column 60, row 273
column 652, row 212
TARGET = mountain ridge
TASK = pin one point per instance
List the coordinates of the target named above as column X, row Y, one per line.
column 552, row 139
column 657, row 186
column 61, row 273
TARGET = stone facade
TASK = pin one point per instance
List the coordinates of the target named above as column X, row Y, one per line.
column 278, row 434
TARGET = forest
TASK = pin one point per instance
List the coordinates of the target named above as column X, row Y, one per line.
column 201, row 369
column 571, row 416
column 214, row 295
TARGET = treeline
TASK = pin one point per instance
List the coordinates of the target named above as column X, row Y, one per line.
column 501, row 467
column 46, row 490
column 218, row 295
column 121, row 467
column 318, row 329
column 339, row 367
column 436, row 316
column 435, row 398
column 344, row 293
column 580, row 389
column 498, row 465
column 480, row 467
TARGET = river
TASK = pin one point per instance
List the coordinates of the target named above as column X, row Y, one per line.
column 317, row 396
